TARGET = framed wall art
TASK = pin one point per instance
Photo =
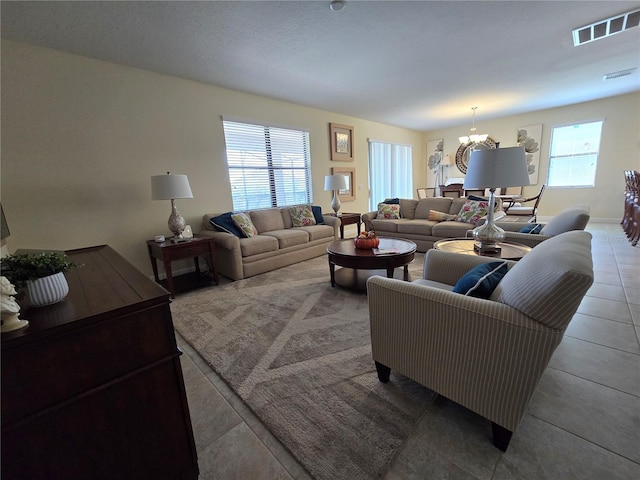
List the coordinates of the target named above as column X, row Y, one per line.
column 341, row 142
column 349, row 193
column 530, row 137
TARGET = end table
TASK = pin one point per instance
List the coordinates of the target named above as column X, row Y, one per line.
column 348, row 219
column 168, row 252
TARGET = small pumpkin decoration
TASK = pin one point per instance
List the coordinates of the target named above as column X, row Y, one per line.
column 367, row 240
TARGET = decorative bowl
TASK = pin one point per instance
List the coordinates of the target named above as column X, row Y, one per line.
column 367, row 243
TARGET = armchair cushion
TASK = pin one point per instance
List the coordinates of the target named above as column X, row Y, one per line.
column 481, row 280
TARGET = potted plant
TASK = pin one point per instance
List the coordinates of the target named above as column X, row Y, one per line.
column 41, row 274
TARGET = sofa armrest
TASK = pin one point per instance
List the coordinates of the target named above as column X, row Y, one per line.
column 449, row 267
column 334, row 222
column 366, row 219
column 228, row 253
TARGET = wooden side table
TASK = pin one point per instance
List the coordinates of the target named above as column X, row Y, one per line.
column 169, row 252
column 348, row 219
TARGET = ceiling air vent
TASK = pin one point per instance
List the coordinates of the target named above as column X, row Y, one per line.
column 619, row 73
column 606, row 28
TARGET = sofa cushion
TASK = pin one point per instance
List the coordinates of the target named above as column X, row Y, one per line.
column 388, row 211
column 302, row 215
column 472, row 211
column 440, row 204
column 416, row 227
column 572, row 218
column 288, row 237
column 548, row 283
column 258, row 244
column 317, row 214
column 267, row 219
column 450, row 229
column 436, row 216
column 387, row 225
column 531, row 228
column 408, row 208
column 481, row 280
column 225, row 223
column 318, row 232
column 244, row 223
column 456, row 205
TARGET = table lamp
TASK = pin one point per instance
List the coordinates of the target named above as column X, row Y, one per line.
column 494, row 168
column 170, row 187
column 335, row 183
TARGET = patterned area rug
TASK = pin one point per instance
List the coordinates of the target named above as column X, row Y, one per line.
column 298, row 353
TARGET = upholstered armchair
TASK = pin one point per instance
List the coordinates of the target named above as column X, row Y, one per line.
column 487, row 354
column 572, row 218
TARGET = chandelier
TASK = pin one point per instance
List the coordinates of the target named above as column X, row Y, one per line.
column 474, row 137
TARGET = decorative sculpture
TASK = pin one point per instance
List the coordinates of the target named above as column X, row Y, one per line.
column 9, row 309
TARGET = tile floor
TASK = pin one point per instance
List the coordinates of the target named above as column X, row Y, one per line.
column 583, row 421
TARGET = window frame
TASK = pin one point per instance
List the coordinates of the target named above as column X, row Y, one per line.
column 270, row 157
column 555, row 158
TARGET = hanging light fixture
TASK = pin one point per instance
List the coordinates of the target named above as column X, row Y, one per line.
column 474, row 137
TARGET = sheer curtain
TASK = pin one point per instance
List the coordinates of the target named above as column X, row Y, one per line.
column 390, row 171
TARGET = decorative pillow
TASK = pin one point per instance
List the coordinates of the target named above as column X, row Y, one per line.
column 392, row 201
column 302, row 215
column 388, row 211
column 436, row 216
column 225, row 223
column 483, row 199
column 472, row 211
column 317, row 214
column 531, row 228
column 481, row 280
column 244, row 223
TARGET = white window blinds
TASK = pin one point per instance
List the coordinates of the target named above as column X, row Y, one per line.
column 268, row 166
column 390, row 171
column 574, row 155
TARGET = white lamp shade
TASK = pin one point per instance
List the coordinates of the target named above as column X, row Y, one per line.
column 335, row 182
column 497, row 167
column 168, row 187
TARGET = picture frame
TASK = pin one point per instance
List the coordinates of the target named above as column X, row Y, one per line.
column 341, row 142
column 349, row 193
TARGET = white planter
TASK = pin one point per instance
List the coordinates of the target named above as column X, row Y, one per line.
column 48, row 290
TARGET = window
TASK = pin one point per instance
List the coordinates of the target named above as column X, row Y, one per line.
column 574, row 155
column 391, row 171
column 268, row 166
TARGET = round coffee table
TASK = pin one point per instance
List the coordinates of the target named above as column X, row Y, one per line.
column 353, row 260
column 508, row 251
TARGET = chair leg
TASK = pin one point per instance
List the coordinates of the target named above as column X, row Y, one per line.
column 383, row 372
column 501, row 436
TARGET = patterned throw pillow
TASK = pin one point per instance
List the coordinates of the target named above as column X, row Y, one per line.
column 436, row 216
column 481, row 280
column 302, row 215
column 388, row 211
column 472, row 211
column 245, row 224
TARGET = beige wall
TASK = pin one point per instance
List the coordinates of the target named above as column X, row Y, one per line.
column 619, row 151
column 81, row 139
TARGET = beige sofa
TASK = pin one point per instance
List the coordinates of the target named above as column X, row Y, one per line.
column 416, row 226
column 277, row 244
column 487, row 354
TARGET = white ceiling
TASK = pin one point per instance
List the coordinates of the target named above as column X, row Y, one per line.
column 420, row 64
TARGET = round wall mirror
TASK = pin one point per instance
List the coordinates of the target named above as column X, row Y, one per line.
column 464, row 150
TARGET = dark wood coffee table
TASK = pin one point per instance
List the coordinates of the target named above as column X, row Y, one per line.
column 509, row 250
column 360, row 264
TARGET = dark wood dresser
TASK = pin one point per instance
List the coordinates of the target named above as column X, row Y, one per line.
column 92, row 388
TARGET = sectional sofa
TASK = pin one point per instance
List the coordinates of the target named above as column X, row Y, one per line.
column 414, row 223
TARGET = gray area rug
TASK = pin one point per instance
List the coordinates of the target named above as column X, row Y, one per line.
column 298, row 353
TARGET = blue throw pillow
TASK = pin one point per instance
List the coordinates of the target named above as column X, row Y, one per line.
column 226, row 224
column 531, row 228
column 317, row 214
column 392, row 201
column 481, row 280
